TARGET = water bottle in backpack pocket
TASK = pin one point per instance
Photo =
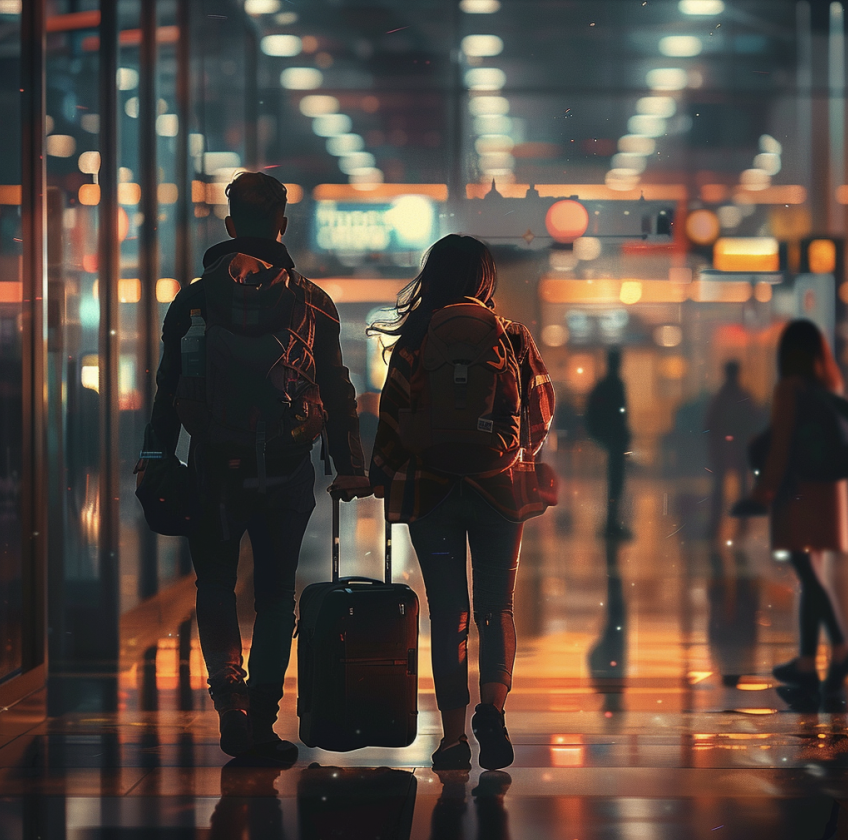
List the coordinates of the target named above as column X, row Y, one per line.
column 465, row 394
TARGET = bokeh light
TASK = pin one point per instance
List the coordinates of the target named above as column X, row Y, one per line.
column 567, row 220
column 703, row 227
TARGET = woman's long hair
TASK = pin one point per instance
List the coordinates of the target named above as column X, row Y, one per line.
column 804, row 351
column 455, row 267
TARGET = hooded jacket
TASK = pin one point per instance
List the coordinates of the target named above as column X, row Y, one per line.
column 337, row 392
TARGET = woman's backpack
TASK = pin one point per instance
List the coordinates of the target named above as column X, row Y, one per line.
column 465, row 394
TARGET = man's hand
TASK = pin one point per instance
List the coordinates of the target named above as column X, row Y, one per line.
column 348, row 487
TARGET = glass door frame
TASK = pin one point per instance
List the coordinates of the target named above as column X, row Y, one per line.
column 23, row 695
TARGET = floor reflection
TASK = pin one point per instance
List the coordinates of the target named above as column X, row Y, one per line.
column 642, row 707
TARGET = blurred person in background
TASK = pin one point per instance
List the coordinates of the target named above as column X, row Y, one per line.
column 606, row 422
column 807, row 518
column 447, row 510
column 730, row 421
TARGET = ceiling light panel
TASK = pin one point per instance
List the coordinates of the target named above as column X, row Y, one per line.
column 701, row 7
column 481, row 46
column 667, row 78
column 281, row 45
column 479, row 7
column 681, row 46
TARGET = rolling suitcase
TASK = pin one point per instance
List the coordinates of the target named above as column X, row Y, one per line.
column 357, row 659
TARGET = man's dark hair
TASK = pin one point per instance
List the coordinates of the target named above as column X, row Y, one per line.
column 255, row 199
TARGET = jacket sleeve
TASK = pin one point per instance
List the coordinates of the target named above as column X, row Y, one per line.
column 337, row 393
column 389, row 454
column 783, row 410
column 166, row 423
column 537, row 393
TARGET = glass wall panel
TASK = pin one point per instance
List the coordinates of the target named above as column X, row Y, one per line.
column 73, row 150
column 11, row 370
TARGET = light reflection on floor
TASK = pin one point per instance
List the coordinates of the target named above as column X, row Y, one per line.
column 642, row 708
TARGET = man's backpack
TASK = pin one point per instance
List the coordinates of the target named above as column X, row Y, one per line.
column 260, row 396
column 465, row 394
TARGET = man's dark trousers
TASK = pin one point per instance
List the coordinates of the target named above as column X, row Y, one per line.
column 275, row 521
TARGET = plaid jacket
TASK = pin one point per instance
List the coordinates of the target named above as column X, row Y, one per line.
column 412, row 491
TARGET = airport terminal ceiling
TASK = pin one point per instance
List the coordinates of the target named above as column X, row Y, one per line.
column 557, row 85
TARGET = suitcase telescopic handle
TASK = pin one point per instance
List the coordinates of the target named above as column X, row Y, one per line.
column 336, row 529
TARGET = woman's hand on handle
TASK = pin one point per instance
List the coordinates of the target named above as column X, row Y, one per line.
column 349, row 487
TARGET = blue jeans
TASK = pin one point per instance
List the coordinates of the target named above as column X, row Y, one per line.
column 439, row 539
column 276, row 522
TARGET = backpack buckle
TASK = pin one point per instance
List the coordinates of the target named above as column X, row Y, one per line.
column 460, row 374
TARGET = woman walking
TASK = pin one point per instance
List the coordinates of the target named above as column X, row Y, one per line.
column 808, row 518
column 424, row 484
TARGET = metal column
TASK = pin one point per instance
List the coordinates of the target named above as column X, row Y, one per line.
column 108, row 350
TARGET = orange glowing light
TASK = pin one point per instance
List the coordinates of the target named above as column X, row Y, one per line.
column 763, row 292
column 89, row 194
column 755, row 253
column 714, row 193
column 166, row 289
column 821, row 254
column 198, row 192
column 631, row 292
column 567, row 756
column 11, row 292
column 123, row 224
column 167, row 193
column 567, row 220
column 129, row 290
column 89, row 263
column 357, row 290
column 584, row 192
column 703, row 227
column 129, row 193
column 843, row 292
column 347, row 192
column 10, row 194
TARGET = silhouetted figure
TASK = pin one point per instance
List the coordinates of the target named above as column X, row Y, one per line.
column 252, row 367
column 730, row 421
column 606, row 422
column 808, row 518
column 488, row 402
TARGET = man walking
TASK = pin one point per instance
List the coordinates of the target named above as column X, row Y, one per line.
column 606, row 422
column 269, row 380
column 731, row 420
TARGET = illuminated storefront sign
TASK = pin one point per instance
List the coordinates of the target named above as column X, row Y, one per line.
column 406, row 223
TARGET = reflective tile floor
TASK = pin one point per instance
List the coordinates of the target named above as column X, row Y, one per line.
column 642, row 709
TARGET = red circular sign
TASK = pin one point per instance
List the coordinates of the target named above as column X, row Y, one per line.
column 567, row 220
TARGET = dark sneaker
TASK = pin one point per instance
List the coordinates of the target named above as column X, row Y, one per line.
column 235, row 732
column 835, row 679
column 490, row 730
column 457, row 757
column 278, row 751
column 790, row 674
